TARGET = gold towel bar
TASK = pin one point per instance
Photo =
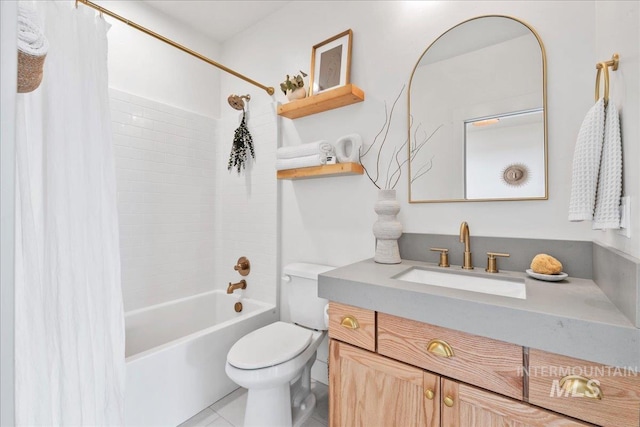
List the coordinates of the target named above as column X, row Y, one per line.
column 600, row 66
column 101, row 9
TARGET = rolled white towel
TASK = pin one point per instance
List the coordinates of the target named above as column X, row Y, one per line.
column 31, row 39
column 308, row 149
column 32, row 50
column 301, row 162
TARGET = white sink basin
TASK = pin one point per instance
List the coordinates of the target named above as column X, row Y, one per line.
column 512, row 287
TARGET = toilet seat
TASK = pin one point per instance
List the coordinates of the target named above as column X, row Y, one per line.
column 269, row 346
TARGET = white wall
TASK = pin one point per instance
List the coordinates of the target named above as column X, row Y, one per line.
column 184, row 218
column 329, row 220
column 142, row 65
column 166, row 199
column 246, row 208
column 618, row 30
column 8, row 82
column 195, row 218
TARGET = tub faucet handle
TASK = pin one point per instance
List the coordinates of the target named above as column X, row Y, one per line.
column 243, row 266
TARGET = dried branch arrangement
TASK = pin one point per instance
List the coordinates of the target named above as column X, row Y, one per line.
column 242, row 142
column 399, row 155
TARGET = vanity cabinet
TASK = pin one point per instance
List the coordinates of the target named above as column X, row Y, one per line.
column 368, row 389
column 408, row 373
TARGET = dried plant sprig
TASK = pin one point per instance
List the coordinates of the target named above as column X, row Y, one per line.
column 396, row 161
column 421, row 171
column 242, row 142
column 385, row 129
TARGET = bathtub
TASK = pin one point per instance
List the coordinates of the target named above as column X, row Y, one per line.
column 176, row 354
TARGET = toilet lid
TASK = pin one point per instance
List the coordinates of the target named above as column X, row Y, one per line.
column 268, row 346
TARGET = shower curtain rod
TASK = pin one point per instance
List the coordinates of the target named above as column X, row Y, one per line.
column 101, row 9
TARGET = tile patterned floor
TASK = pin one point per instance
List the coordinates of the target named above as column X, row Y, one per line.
column 229, row 411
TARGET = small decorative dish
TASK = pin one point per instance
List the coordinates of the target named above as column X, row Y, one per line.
column 547, row 277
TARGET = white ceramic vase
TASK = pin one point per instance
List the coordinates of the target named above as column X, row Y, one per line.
column 387, row 229
column 297, row 93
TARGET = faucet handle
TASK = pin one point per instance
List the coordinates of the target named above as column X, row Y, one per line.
column 243, row 266
column 444, row 256
column 492, row 263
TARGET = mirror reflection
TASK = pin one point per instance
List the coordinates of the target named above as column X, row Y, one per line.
column 477, row 115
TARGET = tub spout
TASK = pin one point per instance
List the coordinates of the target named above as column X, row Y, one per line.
column 242, row 284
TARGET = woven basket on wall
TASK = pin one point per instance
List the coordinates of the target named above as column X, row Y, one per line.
column 30, row 69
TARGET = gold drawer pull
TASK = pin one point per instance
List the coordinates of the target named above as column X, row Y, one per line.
column 429, row 394
column 578, row 385
column 440, row 348
column 448, row 401
column 350, row 322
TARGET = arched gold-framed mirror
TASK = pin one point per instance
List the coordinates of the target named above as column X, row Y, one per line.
column 477, row 114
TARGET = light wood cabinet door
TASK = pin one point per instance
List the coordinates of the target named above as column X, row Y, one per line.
column 369, row 390
column 467, row 406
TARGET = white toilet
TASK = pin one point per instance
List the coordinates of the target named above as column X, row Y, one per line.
column 274, row 362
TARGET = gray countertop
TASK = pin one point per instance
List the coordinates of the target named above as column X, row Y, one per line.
column 572, row 317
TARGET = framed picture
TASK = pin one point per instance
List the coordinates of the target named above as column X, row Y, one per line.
column 331, row 63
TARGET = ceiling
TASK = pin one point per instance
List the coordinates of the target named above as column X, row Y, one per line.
column 219, row 20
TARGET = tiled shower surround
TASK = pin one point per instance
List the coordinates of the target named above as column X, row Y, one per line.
column 184, row 219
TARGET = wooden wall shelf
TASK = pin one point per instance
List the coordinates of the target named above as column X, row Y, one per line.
column 339, row 169
column 334, row 98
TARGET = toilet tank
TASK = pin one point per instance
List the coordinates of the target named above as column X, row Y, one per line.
column 306, row 308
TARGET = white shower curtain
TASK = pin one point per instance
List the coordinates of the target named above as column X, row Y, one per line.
column 69, row 313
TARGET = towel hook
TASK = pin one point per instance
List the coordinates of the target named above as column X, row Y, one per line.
column 603, row 66
column 613, row 63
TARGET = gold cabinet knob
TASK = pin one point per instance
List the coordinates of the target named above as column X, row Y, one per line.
column 429, row 394
column 444, row 256
column 577, row 385
column 440, row 348
column 492, row 264
column 448, row 401
column 350, row 322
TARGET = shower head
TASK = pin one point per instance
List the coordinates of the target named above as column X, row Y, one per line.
column 236, row 101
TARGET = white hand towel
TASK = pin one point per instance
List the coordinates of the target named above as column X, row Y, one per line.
column 607, row 212
column 586, row 164
column 301, row 162
column 308, row 149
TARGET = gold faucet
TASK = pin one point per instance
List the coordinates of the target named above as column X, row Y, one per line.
column 464, row 238
column 242, row 284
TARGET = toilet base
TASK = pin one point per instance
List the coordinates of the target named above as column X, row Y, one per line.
column 304, row 411
column 285, row 405
column 268, row 407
